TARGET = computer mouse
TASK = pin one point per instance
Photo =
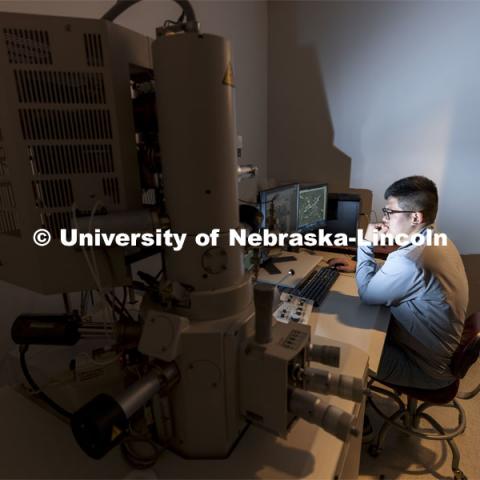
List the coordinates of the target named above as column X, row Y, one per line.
column 336, row 264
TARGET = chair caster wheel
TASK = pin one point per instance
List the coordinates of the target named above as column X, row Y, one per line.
column 459, row 475
column 374, row 451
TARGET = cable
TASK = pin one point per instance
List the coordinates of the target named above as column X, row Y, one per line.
column 161, row 271
column 122, row 5
column 180, row 19
column 118, row 8
column 187, row 10
column 124, row 299
column 37, row 391
column 92, row 263
column 85, row 253
column 119, row 309
column 93, row 257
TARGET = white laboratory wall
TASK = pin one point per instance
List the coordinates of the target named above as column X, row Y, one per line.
column 243, row 22
column 392, row 87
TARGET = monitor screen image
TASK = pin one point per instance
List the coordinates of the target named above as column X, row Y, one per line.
column 279, row 207
column 312, row 207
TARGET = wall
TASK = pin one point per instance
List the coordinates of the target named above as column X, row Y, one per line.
column 244, row 23
column 363, row 93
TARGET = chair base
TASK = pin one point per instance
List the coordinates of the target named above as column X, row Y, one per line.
column 407, row 419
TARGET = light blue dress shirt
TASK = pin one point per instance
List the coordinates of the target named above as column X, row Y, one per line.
column 426, row 289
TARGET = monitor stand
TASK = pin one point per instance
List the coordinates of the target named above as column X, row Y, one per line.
column 269, row 265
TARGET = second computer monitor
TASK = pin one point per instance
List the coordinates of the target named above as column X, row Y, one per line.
column 312, row 207
column 279, row 207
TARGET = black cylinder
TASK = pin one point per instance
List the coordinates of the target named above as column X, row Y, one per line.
column 46, row 329
column 99, row 426
column 326, row 354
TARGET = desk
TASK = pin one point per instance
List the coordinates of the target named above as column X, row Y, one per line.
column 37, row 444
column 342, row 318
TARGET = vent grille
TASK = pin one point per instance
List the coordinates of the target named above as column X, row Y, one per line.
column 7, row 198
column 3, row 158
column 53, row 193
column 71, row 159
column 8, row 215
column 111, row 189
column 149, row 197
column 56, row 221
column 37, row 86
column 28, row 46
column 93, row 49
column 3, row 162
column 65, row 124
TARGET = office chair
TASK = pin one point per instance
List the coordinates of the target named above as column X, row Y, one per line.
column 407, row 417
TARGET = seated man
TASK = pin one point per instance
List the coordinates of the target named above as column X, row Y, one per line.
column 425, row 287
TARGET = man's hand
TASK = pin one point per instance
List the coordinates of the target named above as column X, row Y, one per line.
column 375, row 227
column 343, row 264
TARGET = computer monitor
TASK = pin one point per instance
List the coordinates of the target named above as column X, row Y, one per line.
column 312, row 207
column 343, row 213
column 279, row 207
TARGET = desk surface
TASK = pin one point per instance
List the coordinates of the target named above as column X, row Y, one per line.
column 342, row 317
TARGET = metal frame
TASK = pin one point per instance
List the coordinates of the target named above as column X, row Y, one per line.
column 407, row 419
column 67, row 143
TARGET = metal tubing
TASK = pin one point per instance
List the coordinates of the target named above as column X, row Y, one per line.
column 263, row 297
column 417, row 433
column 451, row 443
column 140, row 393
column 386, row 426
column 311, row 408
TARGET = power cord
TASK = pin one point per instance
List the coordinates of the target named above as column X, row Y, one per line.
column 36, row 389
column 121, row 5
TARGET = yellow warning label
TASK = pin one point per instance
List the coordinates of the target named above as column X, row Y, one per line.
column 115, row 432
column 228, row 77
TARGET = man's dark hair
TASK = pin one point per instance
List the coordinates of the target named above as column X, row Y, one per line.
column 416, row 193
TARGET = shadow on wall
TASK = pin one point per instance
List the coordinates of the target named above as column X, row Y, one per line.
column 300, row 134
column 472, row 268
column 459, row 194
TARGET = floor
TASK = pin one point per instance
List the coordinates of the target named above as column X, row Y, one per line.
column 407, row 458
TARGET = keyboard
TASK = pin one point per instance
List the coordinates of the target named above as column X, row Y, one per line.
column 316, row 285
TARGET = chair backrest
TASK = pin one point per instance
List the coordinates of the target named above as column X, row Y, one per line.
column 469, row 349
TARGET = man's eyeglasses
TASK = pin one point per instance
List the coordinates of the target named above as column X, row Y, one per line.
column 388, row 211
